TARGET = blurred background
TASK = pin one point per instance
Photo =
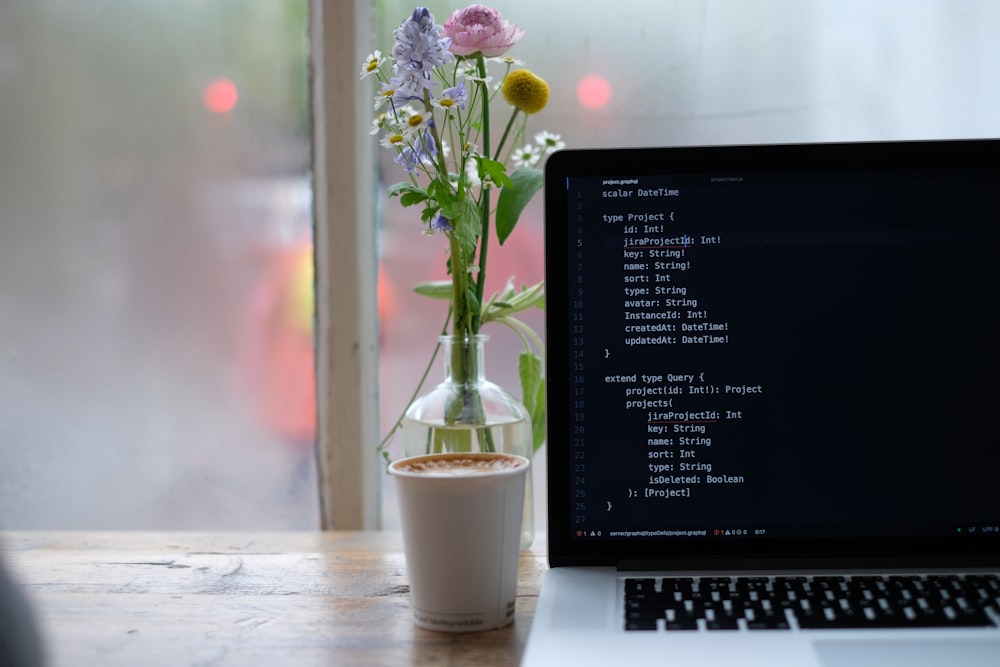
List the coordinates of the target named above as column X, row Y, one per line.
column 156, row 343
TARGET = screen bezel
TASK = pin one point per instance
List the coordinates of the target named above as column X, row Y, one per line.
column 608, row 162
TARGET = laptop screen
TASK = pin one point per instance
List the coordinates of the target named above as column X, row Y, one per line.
column 773, row 345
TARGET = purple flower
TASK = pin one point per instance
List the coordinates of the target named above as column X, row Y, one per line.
column 410, row 86
column 455, row 96
column 411, row 157
column 419, row 44
column 441, row 224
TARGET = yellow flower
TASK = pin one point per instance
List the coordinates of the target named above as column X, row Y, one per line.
column 526, row 91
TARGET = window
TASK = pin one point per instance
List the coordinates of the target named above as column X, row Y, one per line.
column 155, row 215
column 156, row 351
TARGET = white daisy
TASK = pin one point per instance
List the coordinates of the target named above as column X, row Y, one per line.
column 385, row 95
column 379, row 122
column 507, row 60
column 471, row 74
column 526, row 156
column 415, row 123
column 472, row 174
column 372, row 64
column 549, row 142
column 393, row 140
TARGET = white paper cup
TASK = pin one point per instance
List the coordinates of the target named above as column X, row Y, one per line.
column 461, row 518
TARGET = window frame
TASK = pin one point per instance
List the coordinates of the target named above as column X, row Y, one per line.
column 346, row 266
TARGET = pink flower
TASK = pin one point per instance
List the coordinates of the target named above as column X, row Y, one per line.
column 480, row 29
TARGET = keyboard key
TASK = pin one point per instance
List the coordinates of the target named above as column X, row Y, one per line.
column 683, row 623
column 722, row 623
column 645, row 624
column 769, row 622
column 820, row 602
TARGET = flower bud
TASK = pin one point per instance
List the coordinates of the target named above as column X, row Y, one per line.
column 525, row 91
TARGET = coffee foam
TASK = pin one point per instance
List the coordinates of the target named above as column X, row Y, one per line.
column 458, row 465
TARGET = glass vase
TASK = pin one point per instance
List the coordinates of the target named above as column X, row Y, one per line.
column 468, row 413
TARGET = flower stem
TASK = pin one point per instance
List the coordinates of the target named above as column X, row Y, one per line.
column 524, row 332
column 442, row 163
column 506, row 130
column 485, row 203
column 466, row 405
column 462, row 323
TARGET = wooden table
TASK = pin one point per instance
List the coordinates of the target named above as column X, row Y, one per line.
column 296, row 599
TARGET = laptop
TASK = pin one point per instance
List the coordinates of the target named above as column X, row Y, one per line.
column 773, row 378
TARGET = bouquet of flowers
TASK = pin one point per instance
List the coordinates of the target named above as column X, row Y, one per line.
column 433, row 111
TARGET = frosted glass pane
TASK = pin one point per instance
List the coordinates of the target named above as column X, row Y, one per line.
column 155, row 265
column 671, row 72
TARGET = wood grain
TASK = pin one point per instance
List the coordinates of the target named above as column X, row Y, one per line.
column 328, row 598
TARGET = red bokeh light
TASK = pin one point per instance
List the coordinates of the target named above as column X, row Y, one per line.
column 593, row 91
column 220, row 96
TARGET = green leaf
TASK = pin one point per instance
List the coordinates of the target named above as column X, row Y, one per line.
column 526, row 182
column 408, row 193
column 441, row 192
column 529, row 296
column 473, row 299
column 529, row 366
column 512, row 301
column 429, row 213
column 411, row 198
column 496, row 171
column 464, row 217
column 435, row 289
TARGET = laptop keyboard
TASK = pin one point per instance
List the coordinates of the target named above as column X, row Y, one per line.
column 811, row 602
